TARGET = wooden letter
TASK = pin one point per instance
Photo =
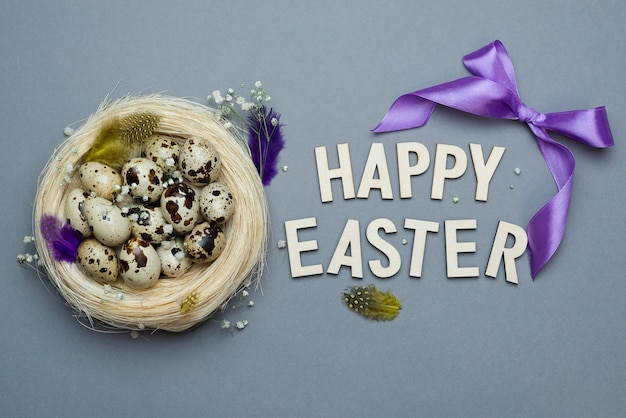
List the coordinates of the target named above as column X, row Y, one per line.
column 453, row 248
column 499, row 251
column 386, row 248
column 419, row 243
column 350, row 238
column 484, row 171
column 405, row 169
column 296, row 247
column 441, row 172
column 325, row 174
column 376, row 162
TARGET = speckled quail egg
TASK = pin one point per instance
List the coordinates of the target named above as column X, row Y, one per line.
column 100, row 179
column 216, row 202
column 148, row 224
column 174, row 260
column 180, row 207
column 75, row 211
column 97, row 261
column 106, row 221
column 199, row 161
column 205, row 242
column 164, row 151
column 140, row 266
column 145, row 179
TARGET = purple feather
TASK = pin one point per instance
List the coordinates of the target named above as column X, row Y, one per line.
column 265, row 140
column 62, row 239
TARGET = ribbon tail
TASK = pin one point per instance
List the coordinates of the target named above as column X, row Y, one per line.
column 407, row 112
column 546, row 229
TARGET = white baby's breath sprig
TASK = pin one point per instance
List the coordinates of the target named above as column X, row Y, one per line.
column 233, row 107
column 241, row 301
column 29, row 259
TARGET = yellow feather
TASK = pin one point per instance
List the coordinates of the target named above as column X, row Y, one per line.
column 372, row 303
column 118, row 138
column 189, row 302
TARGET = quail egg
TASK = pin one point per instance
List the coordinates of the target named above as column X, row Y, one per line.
column 140, row 266
column 205, row 242
column 199, row 161
column 100, row 179
column 97, row 261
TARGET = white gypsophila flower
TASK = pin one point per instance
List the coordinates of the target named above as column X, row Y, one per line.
column 225, row 324
column 274, row 121
column 245, row 293
column 268, row 98
column 281, row 244
column 251, row 303
column 241, row 324
column 228, row 125
column 258, row 84
column 230, row 91
column 240, row 100
column 229, row 98
column 21, row 258
column 247, row 106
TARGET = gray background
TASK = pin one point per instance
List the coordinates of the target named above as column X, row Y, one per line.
column 460, row 347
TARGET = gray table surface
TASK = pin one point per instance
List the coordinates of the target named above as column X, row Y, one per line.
column 460, row 347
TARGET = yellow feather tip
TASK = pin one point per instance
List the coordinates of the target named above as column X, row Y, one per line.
column 117, row 138
column 372, row 303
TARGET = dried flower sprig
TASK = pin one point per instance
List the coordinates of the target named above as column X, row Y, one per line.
column 372, row 303
column 260, row 125
column 28, row 259
column 241, row 324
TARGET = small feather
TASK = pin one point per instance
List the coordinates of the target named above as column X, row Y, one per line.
column 137, row 127
column 189, row 302
column 372, row 303
column 118, row 137
column 62, row 240
column 265, row 140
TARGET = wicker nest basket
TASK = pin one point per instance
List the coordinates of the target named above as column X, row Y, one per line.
column 159, row 307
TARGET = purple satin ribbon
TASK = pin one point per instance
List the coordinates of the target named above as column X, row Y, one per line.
column 492, row 92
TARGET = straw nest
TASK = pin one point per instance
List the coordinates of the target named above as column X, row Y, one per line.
column 159, row 307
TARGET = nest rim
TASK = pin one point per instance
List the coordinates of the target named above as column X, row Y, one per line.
column 159, row 308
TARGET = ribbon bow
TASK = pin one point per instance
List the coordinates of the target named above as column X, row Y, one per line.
column 492, row 92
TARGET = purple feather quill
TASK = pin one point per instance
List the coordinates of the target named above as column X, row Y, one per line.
column 265, row 140
column 62, row 239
